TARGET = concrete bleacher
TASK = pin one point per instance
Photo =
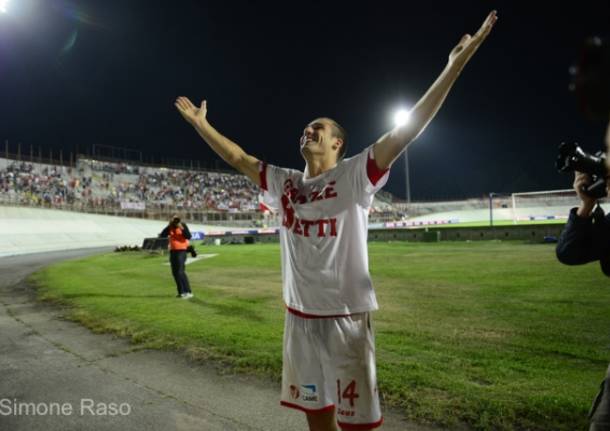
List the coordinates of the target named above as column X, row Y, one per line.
column 30, row 230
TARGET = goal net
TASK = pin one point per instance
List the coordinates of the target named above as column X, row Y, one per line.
column 545, row 205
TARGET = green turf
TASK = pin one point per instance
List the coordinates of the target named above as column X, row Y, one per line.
column 498, row 335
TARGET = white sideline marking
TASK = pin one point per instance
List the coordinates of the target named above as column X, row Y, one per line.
column 195, row 259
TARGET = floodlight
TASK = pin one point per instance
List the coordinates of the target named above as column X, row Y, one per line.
column 401, row 117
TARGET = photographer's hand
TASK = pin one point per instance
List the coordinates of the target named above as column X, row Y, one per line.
column 587, row 202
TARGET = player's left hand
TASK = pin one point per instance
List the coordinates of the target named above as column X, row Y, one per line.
column 468, row 45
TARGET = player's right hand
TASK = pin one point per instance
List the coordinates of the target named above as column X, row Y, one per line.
column 190, row 112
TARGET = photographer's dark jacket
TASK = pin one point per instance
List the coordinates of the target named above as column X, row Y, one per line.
column 585, row 240
column 178, row 236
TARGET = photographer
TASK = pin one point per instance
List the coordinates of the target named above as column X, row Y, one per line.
column 179, row 236
column 586, row 238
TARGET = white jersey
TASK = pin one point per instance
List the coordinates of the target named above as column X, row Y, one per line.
column 323, row 237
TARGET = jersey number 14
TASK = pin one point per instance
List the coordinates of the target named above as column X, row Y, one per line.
column 349, row 393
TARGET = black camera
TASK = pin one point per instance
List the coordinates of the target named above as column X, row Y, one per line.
column 573, row 158
column 190, row 249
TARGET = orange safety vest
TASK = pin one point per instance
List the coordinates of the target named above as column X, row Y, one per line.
column 177, row 241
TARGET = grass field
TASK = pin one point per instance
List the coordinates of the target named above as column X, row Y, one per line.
column 498, row 335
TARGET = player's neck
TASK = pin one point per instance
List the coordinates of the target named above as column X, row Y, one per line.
column 317, row 166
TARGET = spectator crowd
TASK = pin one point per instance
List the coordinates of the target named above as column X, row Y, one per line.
column 93, row 183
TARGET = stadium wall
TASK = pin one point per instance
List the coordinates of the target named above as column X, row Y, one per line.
column 530, row 233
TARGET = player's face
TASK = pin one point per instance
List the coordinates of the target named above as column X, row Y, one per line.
column 317, row 138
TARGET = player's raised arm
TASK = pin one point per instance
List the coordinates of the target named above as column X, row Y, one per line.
column 390, row 145
column 230, row 152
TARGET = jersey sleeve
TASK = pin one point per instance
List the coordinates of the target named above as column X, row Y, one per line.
column 272, row 180
column 366, row 177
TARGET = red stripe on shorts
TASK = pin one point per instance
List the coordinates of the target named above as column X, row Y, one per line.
column 313, row 316
column 361, row 427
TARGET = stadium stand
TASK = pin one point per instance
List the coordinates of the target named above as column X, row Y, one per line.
column 227, row 198
column 151, row 192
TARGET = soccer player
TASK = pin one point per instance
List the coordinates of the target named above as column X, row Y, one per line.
column 329, row 353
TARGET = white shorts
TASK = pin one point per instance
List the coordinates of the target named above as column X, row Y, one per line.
column 330, row 363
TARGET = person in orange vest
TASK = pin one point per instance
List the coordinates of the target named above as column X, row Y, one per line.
column 179, row 236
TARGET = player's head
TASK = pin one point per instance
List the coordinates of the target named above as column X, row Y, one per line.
column 324, row 137
column 175, row 220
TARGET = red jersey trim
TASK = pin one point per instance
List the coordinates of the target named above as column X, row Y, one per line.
column 313, row 316
column 303, row 409
column 346, row 426
column 263, row 176
column 373, row 171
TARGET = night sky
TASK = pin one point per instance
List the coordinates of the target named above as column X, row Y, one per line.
column 77, row 73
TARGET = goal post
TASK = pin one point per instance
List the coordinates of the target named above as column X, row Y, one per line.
column 543, row 205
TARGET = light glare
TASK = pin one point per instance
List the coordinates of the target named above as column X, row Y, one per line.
column 401, row 117
column 3, row 6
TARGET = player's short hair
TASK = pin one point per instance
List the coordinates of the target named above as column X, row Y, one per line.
column 339, row 132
